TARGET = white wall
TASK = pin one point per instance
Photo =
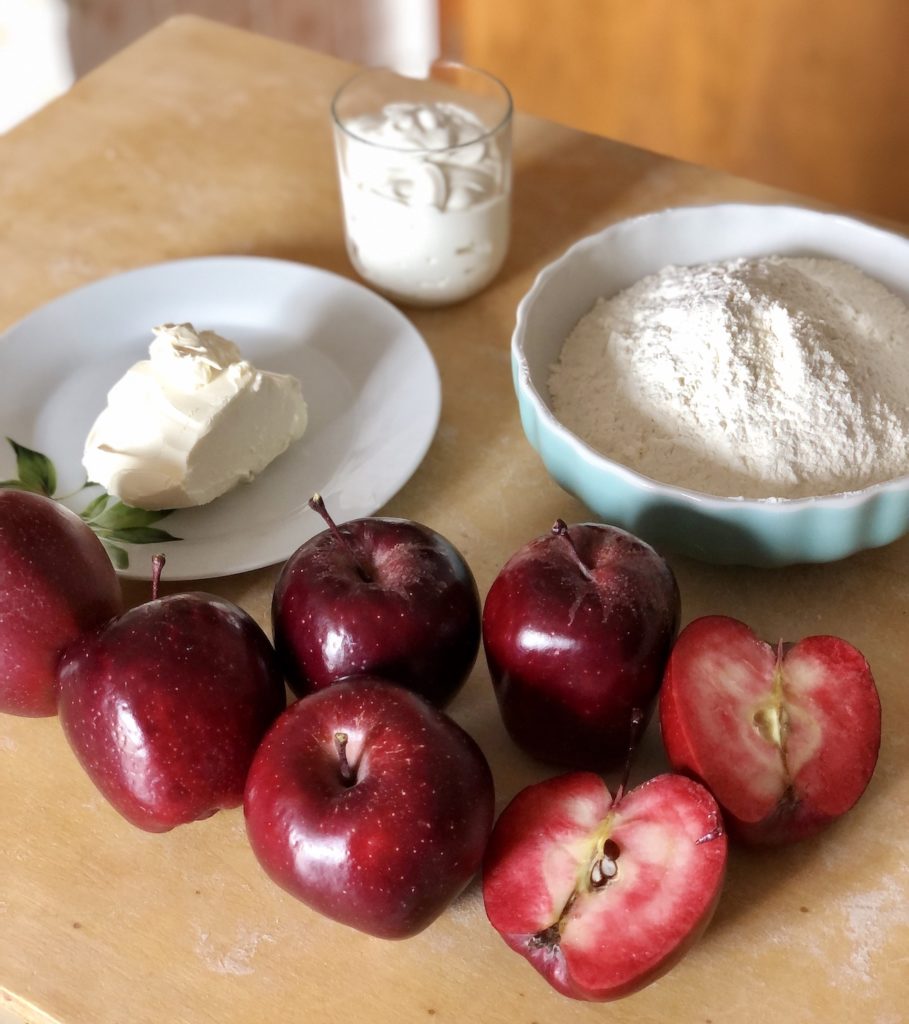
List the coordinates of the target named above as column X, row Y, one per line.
column 403, row 34
column 34, row 57
column 35, row 62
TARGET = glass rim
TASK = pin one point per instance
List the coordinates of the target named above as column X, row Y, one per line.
column 487, row 133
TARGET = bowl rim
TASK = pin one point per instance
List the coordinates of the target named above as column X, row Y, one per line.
column 777, row 506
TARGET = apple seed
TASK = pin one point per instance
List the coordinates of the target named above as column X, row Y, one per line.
column 604, row 868
column 772, row 718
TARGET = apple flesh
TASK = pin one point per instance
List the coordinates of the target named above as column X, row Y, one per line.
column 166, row 705
column 369, row 805
column 382, row 597
column 786, row 739
column 577, row 627
column 56, row 582
column 602, row 896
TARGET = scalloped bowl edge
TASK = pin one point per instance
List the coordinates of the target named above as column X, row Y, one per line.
column 758, row 532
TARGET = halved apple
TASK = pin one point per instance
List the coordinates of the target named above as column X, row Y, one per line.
column 785, row 738
column 602, row 896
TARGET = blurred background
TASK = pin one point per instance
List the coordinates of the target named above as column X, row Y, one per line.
column 809, row 95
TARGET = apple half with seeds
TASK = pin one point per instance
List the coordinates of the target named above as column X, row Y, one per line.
column 785, row 738
column 604, row 895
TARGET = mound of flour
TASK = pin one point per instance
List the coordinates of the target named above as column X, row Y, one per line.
column 771, row 377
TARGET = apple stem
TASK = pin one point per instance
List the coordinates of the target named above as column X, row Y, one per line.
column 157, row 565
column 560, row 529
column 318, row 505
column 634, row 735
column 715, row 833
column 549, row 937
column 348, row 776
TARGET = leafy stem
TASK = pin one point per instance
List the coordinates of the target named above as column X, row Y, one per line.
column 111, row 520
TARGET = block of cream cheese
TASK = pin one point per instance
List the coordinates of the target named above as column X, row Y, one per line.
column 186, row 425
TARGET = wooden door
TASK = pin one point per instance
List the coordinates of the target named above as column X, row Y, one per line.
column 810, row 95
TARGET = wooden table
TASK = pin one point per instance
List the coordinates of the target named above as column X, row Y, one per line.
column 202, row 140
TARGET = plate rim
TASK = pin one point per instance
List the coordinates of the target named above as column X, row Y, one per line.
column 432, row 396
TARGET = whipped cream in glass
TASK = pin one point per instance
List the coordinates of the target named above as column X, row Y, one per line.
column 425, row 174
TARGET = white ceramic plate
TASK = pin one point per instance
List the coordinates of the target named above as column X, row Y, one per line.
column 369, row 380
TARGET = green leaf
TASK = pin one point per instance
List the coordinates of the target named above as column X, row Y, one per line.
column 124, row 517
column 117, row 555
column 140, row 535
column 95, row 506
column 111, row 520
column 36, row 471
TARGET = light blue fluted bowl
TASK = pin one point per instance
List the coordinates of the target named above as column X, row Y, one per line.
column 739, row 531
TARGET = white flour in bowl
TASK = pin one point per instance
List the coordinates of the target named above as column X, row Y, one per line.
column 771, row 377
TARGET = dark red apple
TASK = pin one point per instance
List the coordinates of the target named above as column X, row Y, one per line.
column 786, row 739
column 56, row 581
column 384, row 597
column 369, row 805
column 577, row 627
column 603, row 896
column 166, row 705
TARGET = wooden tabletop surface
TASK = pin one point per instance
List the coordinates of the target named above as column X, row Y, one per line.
column 204, row 140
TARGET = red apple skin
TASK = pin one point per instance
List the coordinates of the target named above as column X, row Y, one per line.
column 718, row 684
column 56, row 582
column 165, row 707
column 602, row 943
column 573, row 650
column 388, row 853
column 415, row 621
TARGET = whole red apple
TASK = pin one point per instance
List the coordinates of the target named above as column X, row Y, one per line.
column 602, row 896
column 56, row 581
column 383, row 597
column 786, row 739
column 577, row 627
column 166, row 705
column 370, row 805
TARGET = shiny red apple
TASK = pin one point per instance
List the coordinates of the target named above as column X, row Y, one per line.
column 370, row 805
column 56, row 582
column 785, row 738
column 577, row 627
column 604, row 895
column 384, row 597
column 166, row 705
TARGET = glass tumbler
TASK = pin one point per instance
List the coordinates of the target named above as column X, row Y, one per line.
column 424, row 166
